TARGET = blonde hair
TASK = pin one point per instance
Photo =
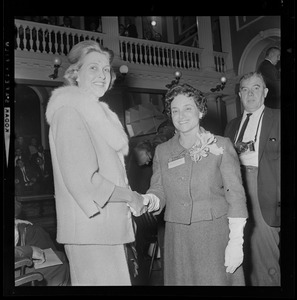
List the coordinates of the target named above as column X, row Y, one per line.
column 78, row 53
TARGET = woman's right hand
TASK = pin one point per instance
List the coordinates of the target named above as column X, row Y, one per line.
column 132, row 199
column 137, row 205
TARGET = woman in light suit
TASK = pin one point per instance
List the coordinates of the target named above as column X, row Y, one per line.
column 196, row 179
column 88, row 145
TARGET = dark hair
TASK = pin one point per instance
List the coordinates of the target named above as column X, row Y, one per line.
column 189, row 91
column 144, row 145
column 166, row 129
column 249, row 75
column 78, row 53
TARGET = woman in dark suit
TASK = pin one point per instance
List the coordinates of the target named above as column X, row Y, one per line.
column 196, row 179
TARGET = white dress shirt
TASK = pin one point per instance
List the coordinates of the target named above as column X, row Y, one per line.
column 251, row 158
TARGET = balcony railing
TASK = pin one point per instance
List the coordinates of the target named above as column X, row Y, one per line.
column 49, row 39
column 159, row 54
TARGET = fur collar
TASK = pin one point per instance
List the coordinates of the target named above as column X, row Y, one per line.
column 100, row 118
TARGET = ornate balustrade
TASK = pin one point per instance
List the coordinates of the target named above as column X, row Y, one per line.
column 220, row 61
column 159, row 54
column 48, row 39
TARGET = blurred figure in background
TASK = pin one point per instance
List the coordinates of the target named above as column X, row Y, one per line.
column 25, row 179
column 271, row 74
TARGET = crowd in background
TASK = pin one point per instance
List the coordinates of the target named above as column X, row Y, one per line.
column 33, row 168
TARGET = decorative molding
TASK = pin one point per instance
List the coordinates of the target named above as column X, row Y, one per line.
column 254, row 48
column 242, row 22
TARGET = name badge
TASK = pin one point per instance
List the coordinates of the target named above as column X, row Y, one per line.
column 175, row 163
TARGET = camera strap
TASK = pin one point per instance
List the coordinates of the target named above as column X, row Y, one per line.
column 256, row 135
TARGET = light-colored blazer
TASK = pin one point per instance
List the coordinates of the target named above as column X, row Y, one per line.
column 195, row 191
column 88, row 145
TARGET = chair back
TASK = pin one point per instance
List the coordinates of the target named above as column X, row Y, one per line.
column 21, row 278
column 147, row 223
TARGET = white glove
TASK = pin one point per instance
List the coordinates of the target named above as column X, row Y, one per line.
column 234, row 251
column 152, row 201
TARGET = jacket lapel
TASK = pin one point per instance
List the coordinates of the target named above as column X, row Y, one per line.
column 176, row 149
column 265, row 131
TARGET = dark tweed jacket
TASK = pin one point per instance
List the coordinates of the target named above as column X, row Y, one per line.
column 196, row 191
column 268, row 163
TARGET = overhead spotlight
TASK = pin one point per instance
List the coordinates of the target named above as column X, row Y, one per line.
column 123, row 70
column 153, row 21
column 57, row 64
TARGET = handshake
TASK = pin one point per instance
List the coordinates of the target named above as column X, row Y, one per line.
column 143, row 203
column 138, row 204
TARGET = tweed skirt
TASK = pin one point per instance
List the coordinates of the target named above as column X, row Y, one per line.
column 195, row 254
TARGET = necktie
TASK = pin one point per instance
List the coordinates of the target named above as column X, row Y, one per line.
column 240, row 136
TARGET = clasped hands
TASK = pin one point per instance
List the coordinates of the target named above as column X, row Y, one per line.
column 142, row 203
column 138, row 204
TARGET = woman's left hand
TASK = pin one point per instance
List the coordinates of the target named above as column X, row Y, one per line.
column 234, row 249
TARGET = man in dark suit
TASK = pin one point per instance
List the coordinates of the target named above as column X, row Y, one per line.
column 25, row 179
column 42, row 164
column 259, row 154
column 271, row 76
column 130, row 30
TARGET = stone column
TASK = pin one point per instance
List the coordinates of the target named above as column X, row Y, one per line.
column 226, row 42
column 170, row 32
column 205, row 42
column 138, row 24
column 110, row 26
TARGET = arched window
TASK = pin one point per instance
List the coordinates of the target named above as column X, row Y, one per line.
column 27, row 113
